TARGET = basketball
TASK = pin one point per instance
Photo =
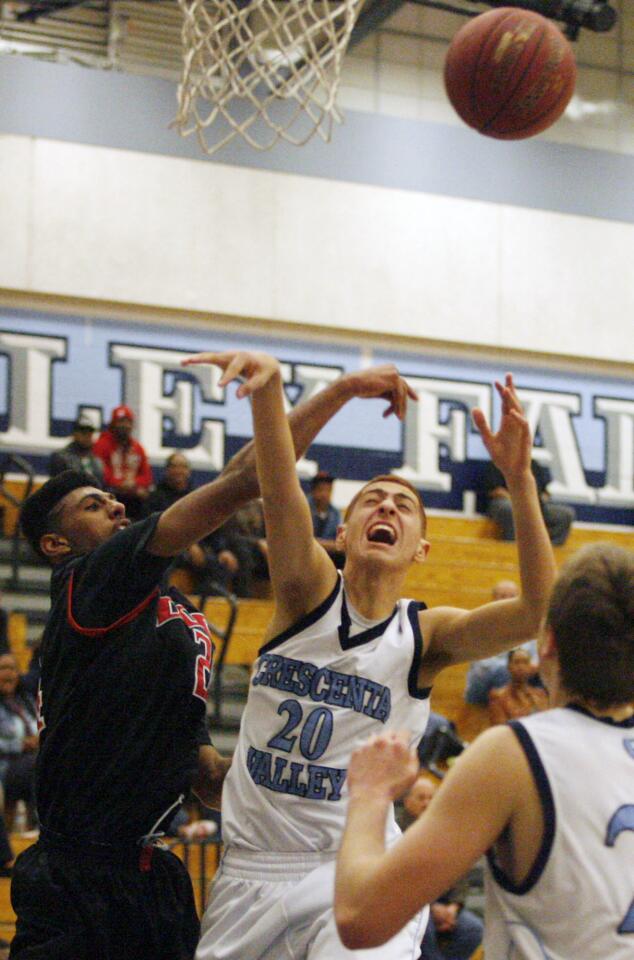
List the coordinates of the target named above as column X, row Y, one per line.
column 510, row 73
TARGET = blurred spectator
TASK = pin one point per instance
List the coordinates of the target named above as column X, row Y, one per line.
column 4, row 629
column 175, row 483
column 518, row 698
column 127, row 472
column 250, row 523
column 30, row 681
column 415, row 801
column 215, row 560
column 326, row 517
column 18, row 736
column 78, row 454
column 557, row 516
column 439, row 744
column 484, row 675
column 452, row 933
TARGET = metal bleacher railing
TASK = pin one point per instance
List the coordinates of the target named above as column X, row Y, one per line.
column 223, row 634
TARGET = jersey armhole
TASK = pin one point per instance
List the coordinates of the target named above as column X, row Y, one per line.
column 418, row 693
column 540, row 778
column 306, row 621
column 96, row 632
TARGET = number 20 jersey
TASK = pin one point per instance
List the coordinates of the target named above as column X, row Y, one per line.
column 578, row 901
column 317, row 691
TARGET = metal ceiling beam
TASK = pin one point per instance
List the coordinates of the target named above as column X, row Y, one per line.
column 46, row 9
column 375, row 13
column 596, row 15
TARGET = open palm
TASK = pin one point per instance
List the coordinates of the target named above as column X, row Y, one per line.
column 511, row 447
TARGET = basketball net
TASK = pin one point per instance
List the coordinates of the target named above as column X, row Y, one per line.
column 262, row 70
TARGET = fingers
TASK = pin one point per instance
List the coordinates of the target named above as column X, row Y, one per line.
column 218, row 359
column 508, row 395
column 231, row 361
column 480, row 422
column 237, row 365
column 399, row 396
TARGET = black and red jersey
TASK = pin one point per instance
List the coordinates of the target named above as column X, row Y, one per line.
column 125, row 671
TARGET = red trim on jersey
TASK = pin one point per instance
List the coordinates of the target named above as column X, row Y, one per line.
column 100, row 631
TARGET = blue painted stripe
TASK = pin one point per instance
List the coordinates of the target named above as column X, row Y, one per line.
column 109, row 109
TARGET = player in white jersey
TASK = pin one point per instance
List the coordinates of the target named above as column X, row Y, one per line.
column 342, row 658
column 549, row 797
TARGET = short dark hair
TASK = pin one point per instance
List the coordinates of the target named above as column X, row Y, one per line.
column 322, row 476
column 392, row 479
column 174, row 454
column 515, row 650
column 35, row 513
column 592, row 617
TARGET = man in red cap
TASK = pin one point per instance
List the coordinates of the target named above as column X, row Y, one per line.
column 127, row 471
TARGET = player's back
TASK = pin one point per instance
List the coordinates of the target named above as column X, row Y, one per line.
column 578, row 901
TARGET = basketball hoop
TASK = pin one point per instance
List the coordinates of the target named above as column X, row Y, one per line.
column 262, row 70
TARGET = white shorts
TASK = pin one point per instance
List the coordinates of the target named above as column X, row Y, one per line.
column 269, row 906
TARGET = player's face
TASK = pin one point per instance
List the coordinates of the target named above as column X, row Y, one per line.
column 122, row 429
column 83, row 437
column 178, row 472
column 419, row 797
column 520, row 667
column 87, row 517
column 322, row 493
column 385, row 523
column 8, row 675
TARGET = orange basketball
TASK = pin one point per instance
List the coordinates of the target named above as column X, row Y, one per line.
column 510, row 73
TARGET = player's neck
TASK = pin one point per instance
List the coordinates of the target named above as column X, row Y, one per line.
column 617, row 712
column 372, row 594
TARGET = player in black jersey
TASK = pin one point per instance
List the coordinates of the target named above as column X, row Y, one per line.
column 125, row 670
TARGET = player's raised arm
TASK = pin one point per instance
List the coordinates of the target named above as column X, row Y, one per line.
column 302, row 574
column 377, row 890
column 197, row 514
column 456, row 635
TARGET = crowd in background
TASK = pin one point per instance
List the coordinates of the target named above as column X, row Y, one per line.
column 234, row 558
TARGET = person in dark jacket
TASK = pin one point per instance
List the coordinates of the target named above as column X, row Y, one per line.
column 78, row 454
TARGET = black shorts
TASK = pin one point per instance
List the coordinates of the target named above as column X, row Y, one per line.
column 74, row 905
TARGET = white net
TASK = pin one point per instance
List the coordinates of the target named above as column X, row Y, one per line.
column 262, row 70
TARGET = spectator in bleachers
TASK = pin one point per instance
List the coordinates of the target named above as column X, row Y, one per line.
column 415, row 801
column 215, row 560
column 518, row 698
column 18, row 736
column 174, row 484
column 250, row 522
column 452, row 933
column 485, row 675
column 126, row 469
column 326, row 517
column 4, row 629
column 30, row 681
column 78, row 454
column 557, row 516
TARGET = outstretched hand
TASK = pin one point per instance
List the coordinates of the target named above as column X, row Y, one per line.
column 511, row 447
column 254, row 369
column 384, row 382
column 384, row 764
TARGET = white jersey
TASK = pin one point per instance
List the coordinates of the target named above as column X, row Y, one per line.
column 317, row 691
column 578, row 901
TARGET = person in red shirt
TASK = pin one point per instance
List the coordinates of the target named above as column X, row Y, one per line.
column 127, row 471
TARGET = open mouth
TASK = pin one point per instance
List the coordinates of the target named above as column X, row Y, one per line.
column 382, row 533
